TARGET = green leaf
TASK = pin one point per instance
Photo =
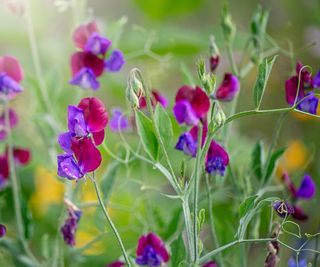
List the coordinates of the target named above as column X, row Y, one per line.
column 263, row 75
column 147, row 135
column 257, row 158
column 109, row 178
column 178, row 252
column 292, row 228
column 247, row 205
column 173, row 224
column 271, row 164
column 164, row 125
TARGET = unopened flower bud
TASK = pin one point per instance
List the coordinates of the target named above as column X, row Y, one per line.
column 228, row 28
column 219, row 117
column 134, row 90
column 214, row 54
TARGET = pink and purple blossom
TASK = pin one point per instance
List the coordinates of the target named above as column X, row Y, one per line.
column 217, row 159
column 228, row 89
column 3, row 230
column 210, row 264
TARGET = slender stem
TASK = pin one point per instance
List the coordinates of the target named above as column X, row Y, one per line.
column 187, row 219
column 16, row 187
column 231, row 59
column 197, row 172
column 211, row 218
column 113, row 227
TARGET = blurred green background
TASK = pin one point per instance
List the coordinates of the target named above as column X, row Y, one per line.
column 163, row 38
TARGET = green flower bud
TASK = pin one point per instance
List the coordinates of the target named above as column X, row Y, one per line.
column 228, row 28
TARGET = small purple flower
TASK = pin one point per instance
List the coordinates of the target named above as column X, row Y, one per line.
column 3, row 230
column 228, row 89
column 68, row 167
column 187, row 144
column 309, row 104
column 76, row 122
column 70, row 226
column 210, row 264
column 307, row 188
column 292, row 263
column 184, row 113
column 86, row 79
column 118, row 121
column 283, row 208
column 217, row 159
column 9, row 85
column 115, row 62
column 97, row 44
column 151, row 251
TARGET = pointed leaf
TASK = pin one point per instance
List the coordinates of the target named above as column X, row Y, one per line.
column 263, row 75
column 257, row 157
column 271, row 164
column 147, row 135
column 164, row 125
column 247, row 205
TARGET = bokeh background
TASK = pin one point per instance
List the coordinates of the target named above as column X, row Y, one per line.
column 164, row 39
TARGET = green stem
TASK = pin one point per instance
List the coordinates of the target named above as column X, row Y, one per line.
column 211, row 218
column 187, row 219
column 113, row 227
column 231, row 60
column 16, row 187
column 197, row 172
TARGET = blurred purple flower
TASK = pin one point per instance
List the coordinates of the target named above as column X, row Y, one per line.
column 228, row 89
column 85, row 79
column 3, row 230
column 316, row 80
column 151, row 251
column 210, row 264
column 292, row 263
column 118, row 121
column 309, row 104
column 187, row 144
column 307, row 188
column 283, row 208
column 214, row 62
column 70, row 226
column 115, row 62
column 217, row 159
column 97, row 44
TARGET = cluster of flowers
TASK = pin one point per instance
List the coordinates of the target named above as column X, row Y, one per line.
column 90, row 63
column 152, row 252
column 11, row 74
column 191, row 108
column 300, row 90
column 306, row 190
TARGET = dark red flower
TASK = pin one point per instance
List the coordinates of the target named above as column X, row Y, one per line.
column 82, row 34
column 80, row 60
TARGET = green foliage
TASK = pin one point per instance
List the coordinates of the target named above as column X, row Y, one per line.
column 271, row 164
column 109, row 179
column 147, row 135
column 163, row 123
column 257, row 159
column 263, row 75
column 247, row 205
column 178, row 253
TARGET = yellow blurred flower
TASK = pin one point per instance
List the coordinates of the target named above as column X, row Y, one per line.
column 48, row 190
column 294, row 158
column 87, row 233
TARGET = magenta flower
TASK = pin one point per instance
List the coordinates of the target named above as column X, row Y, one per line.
column 4, row 170
column 298, row 213
column 86, row 123
column 90, row 63
column 217, row 159
column 3, row 230
column 191, row 105
column 210, row 264
column 11, row 74
column 151, row 251
column 70, row 226
column 13, row 122
column 156, row 97
column 118, row 121
column 228, row 89
column 116, row 264
column 214, row 62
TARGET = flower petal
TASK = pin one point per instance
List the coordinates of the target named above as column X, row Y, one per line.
column 115, row 62
column 97, row 44
column 86, row 79
column 87, row 155
column 98, row 137
column 95, row 113
column 68, row 167
column 184, row 113
column 11, row 66
column 21, row 156
column 307, row 188
column 76, row 121
column 81, row 60
column 83, row 32
column 229, row 88
column 118, row 121
column 65, row 140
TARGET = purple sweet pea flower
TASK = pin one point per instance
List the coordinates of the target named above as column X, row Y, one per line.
column 68, row 167
column 187, row 144
column 151, row 251
column 156, row 97
column 191, row 105
column 70, row 226
column 97, row 44
column 292, row 263
column 116, row 264
column 217, row 159
column 299, row 213
column 3, row 230
column 76, row 122
column 228, row 89
column 283, row 208
column 118, row 121
column 86, row 79
column 316, row 80
column 309, row 104
column 115, row 62
column 210, row 264
column 307, row 188
column 9, row 85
